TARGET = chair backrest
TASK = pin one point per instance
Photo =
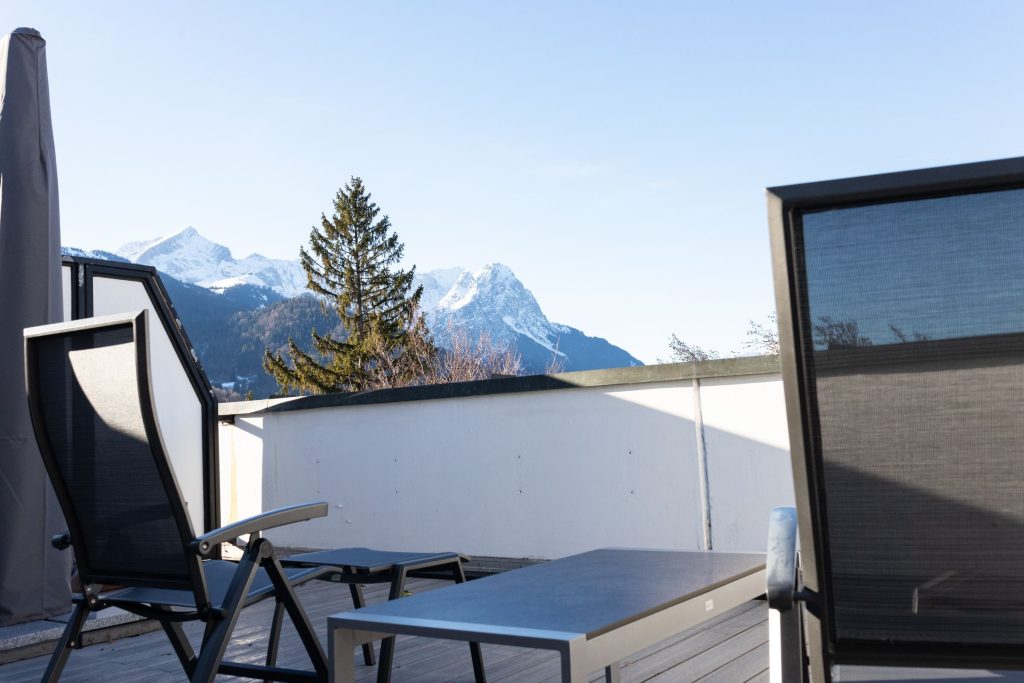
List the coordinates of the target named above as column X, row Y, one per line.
column 92, row 411
column 901, row 319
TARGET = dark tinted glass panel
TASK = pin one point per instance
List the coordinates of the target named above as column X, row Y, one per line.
column 917, row 325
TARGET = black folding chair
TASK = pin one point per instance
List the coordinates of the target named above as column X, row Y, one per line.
column 901, row 322
column 91, row 404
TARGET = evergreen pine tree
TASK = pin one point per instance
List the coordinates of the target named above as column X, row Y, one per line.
column 350, row 265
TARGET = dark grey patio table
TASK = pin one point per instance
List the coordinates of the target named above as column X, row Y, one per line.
column 594, row 608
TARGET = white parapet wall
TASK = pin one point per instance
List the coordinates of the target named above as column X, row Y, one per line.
column 676, row 456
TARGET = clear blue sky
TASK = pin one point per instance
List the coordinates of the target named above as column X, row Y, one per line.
column 614, row 155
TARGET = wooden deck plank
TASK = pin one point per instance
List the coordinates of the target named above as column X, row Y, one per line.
column 694, row 641
column 741, row 668
column 149, row 657
column 762, row 677
column 715, row 657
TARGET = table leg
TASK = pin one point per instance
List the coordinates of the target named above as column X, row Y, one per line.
column 341, row 645
column 359, row 601
column 574, row 663
column 387, row 646
column 459, row 576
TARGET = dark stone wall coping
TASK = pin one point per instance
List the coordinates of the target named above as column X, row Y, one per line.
column 644, row 374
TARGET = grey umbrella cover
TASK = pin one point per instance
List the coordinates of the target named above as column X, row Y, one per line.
column 34, row 579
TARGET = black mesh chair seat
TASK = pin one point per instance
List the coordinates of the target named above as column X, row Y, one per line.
column 219, row 574
column 92, row 411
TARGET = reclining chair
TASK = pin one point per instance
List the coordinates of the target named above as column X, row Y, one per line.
column 89, row 393
column 901, row 323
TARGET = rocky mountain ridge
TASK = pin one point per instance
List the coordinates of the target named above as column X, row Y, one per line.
column 260, row 302
column 190, row 257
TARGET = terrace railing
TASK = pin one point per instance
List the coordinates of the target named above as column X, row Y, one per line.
column 682, row 456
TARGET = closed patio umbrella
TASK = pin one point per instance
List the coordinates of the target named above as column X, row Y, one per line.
column 33, row 575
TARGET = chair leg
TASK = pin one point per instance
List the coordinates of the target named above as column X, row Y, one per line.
column 477, row 655
column 179, row 641
column 218, row 631
column 275, row 635
column 358, row 601
column 207, row 630
column 387, row 645
column 286, row 595
column 68, row 640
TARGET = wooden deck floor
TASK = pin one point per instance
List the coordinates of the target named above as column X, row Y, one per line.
column 732, row 648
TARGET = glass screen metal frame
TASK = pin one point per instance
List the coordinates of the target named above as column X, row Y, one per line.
column 83, row 271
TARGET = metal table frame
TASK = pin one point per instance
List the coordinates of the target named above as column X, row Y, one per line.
column 580, row 653
column 356, row 566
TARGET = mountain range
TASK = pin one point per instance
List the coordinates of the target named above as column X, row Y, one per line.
column 190, row 257
column 261, row 302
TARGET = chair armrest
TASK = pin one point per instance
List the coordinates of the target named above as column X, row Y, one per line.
column 204, row 544
column 780, row 570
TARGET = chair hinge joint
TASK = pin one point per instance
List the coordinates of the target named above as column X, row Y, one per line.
column 810, row 598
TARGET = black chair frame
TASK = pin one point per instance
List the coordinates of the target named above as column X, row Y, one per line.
column 802, row 591
column 212, row 591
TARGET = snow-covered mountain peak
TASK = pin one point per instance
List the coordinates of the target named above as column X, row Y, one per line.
column 188, row 241
column 461, row 293
column 132, row 250
column 189, row 256
column 494, row 286
column 436, row 284
column 446, row 277
column 496, row 272
column 492, row 300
